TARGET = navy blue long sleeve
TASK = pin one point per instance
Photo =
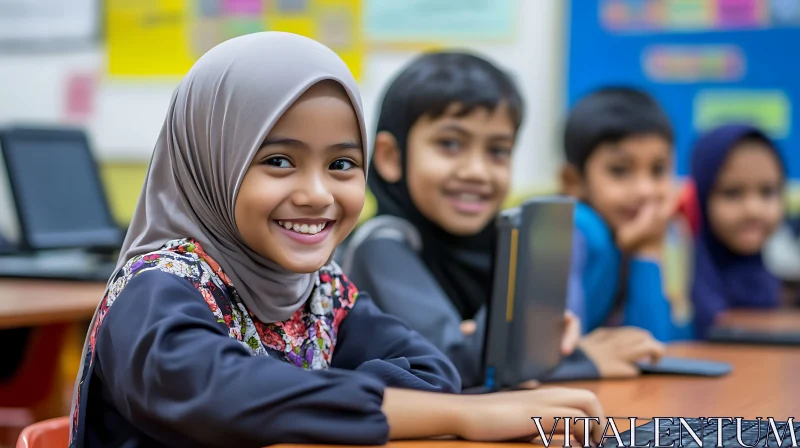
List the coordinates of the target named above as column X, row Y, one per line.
column 381, row 344
column 168, row 370
column 402, row 286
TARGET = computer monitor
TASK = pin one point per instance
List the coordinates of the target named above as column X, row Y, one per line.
column 57, row 190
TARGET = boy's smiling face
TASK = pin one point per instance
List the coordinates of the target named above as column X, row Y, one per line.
column 458, row 167
column 620, row 178
column 305, row 188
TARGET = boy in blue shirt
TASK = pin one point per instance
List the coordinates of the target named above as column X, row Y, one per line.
column 618, row 145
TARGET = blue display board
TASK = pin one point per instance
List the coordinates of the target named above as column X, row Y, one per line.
column 706, row 61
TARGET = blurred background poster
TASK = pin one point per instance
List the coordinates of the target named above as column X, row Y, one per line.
column 163, row 38
column 439, row 22
column 707, row 61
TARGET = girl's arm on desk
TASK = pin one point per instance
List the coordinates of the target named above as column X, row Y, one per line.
column 174, row 373
column 493, row 417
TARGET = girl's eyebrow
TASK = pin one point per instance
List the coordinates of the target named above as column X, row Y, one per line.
column 270, row 141
column 346, row 145
column 294, row 143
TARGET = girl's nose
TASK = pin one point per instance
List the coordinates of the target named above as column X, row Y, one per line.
column 312, row 192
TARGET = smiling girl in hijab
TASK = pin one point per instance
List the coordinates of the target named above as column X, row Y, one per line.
column 226, row 311
column 739, row 179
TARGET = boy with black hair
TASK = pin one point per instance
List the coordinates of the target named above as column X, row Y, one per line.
column 618, row 145
column 440, row 172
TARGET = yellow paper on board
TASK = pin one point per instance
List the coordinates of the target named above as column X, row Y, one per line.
column 163, row 38
column 147, row 38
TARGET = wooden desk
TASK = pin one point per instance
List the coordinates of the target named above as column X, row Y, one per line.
column 763, row 384
column 37, row 302
column 778, row 321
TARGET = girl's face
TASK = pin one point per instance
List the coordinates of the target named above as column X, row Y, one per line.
column 304, row 189
column 459, row 168
column 745, row 205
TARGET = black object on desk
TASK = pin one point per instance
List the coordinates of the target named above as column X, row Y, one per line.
column 67, row 228
column 751, row 336
column 529, row 295
column 669, row 365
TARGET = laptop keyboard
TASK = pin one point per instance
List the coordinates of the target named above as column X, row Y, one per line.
column 62, row 266
column 753, row 433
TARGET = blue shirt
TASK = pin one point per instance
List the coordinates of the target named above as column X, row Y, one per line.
column 593, row 289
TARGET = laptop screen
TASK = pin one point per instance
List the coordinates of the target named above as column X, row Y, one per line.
column 57, row 190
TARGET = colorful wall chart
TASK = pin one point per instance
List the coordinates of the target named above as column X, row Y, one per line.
column 163, row 38
column 706, row 61
column 425, row 23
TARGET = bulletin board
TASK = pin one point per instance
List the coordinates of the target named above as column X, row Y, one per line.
column 425, row 24
column 163, row 38
column 706, row 61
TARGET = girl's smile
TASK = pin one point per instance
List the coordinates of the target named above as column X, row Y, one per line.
column 306, row 230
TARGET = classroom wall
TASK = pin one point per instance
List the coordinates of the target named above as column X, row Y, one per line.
column 126, row 116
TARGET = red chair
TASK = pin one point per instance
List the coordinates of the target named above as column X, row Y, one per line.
column 26, row 397
column 33, row 381
column 53, row 433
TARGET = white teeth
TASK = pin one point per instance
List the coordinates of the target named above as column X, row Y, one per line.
column 466, row 197
column 311, row 229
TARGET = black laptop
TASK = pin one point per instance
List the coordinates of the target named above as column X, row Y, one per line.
column 529, row 296
column 67, row 230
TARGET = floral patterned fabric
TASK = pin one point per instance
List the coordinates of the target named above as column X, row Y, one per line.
column 306, row 340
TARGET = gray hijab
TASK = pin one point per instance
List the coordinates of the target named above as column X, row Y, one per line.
column 217, row 120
